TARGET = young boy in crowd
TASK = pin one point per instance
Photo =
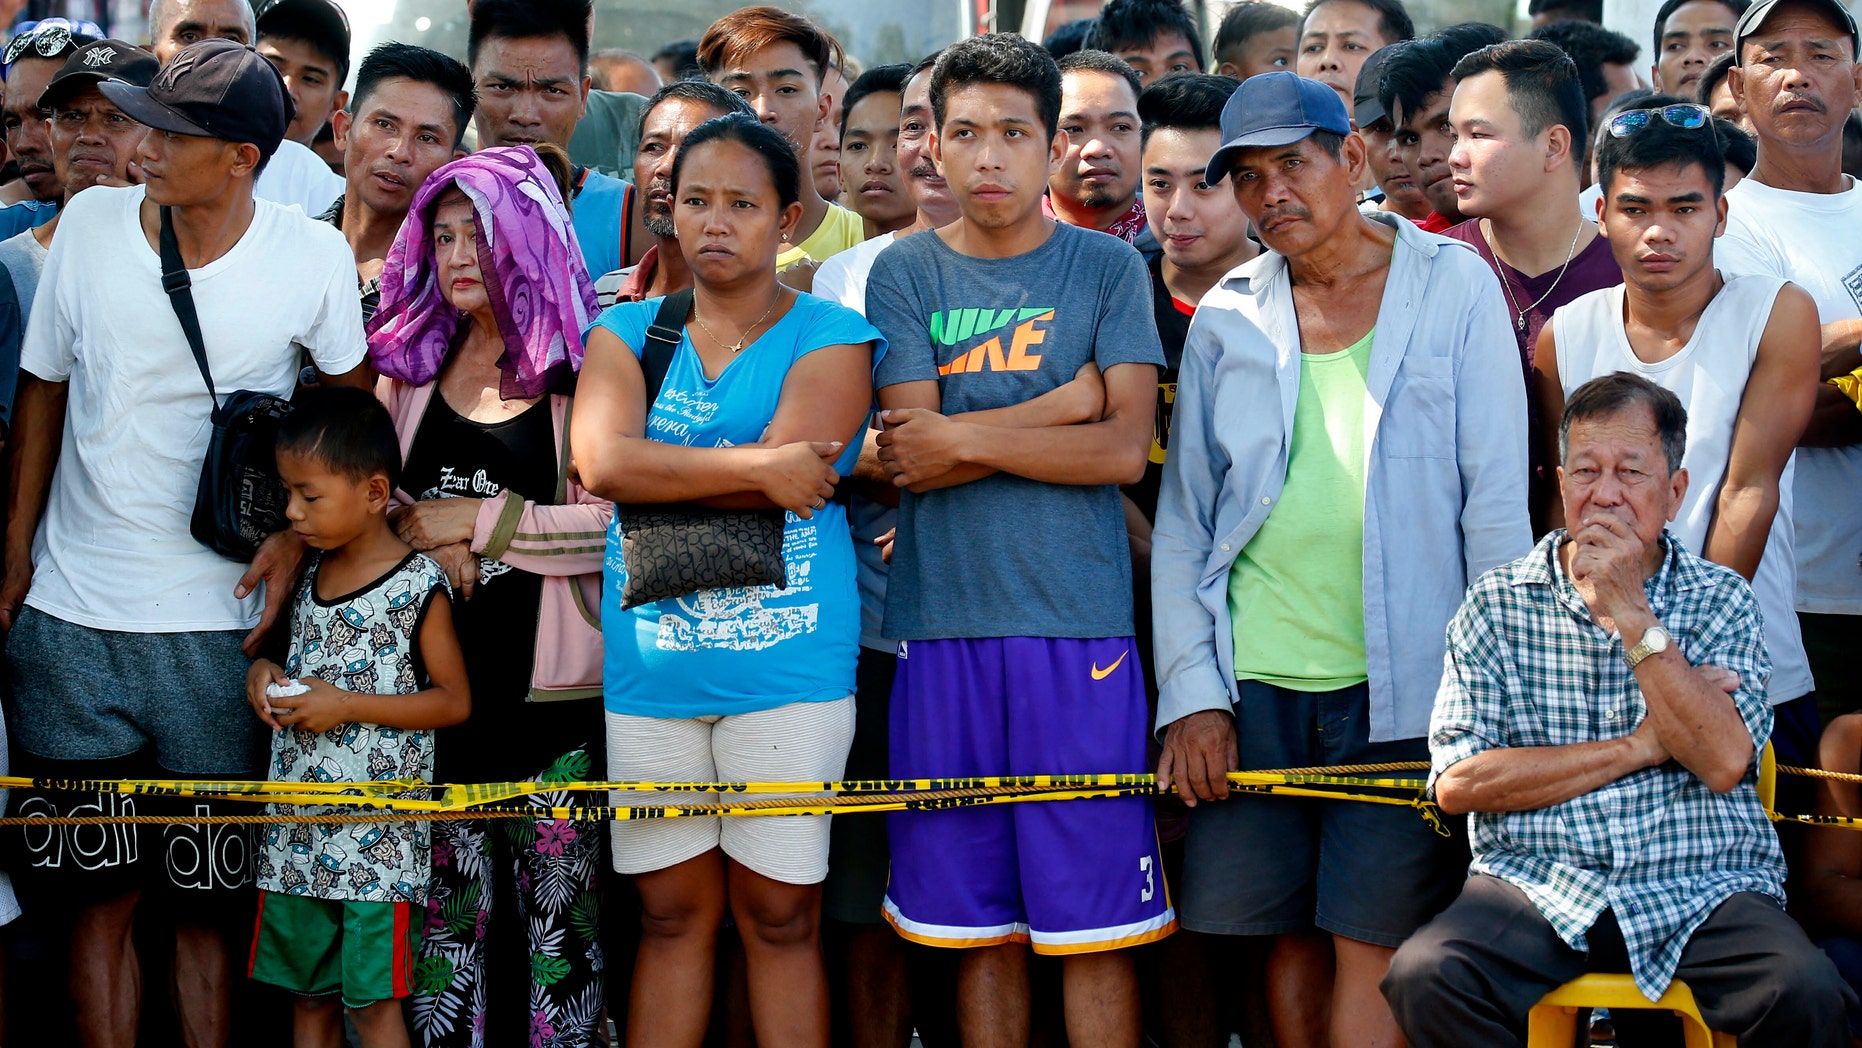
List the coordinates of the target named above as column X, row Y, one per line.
column 374, row 667
column 1256, row 36
column 1157, row 38
column 869, row 145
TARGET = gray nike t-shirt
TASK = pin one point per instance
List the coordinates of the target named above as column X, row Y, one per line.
column 1006, row 556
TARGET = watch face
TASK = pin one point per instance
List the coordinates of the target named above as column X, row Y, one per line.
column 1656, row 639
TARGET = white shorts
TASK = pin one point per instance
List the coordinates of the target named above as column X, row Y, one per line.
column 800, row 742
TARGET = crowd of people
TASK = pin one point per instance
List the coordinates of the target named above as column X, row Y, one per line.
column 1032, row 408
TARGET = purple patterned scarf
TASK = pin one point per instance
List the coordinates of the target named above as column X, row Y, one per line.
column 530, row 262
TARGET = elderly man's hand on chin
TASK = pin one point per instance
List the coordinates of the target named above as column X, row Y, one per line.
column 1609, row 563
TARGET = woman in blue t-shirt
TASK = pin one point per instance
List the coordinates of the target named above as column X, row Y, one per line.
column 761, row 407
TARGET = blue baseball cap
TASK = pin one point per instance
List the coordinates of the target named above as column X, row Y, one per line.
column 1276, row 109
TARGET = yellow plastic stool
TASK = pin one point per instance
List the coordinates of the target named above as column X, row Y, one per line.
column 1768, row 779
column 1553, row 1022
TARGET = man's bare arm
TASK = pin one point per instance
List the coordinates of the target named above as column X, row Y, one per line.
column 38, row 432
column 1549, row 388
column 1832, row 875
column 924, row 447
column 1773, row 411
column 1082, row 399
column 1697, row 721
column 1528, row 778
column 922, row 396
column 1836, row 422
column 361, row 377
column 869, row 478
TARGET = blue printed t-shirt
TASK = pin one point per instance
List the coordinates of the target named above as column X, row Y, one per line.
column 741, row 649
column 1006, row 556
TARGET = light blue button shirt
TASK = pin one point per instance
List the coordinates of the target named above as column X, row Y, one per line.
column 1445, row 489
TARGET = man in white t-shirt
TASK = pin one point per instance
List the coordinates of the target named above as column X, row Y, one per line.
column 128, row 638
column 1797, row 216
column 1739, row 350
column 293, row 175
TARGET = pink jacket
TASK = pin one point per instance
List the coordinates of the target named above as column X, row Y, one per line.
column 564, row 543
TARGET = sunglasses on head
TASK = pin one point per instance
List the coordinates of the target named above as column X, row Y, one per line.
column 1685, row 115
column 49, row 37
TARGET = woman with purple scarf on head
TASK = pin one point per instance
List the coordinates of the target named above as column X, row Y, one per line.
column 478, row 341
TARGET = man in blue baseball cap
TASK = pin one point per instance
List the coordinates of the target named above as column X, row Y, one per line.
column 1348, row 452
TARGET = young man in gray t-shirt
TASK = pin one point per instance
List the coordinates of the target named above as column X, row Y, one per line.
column 1018, row 396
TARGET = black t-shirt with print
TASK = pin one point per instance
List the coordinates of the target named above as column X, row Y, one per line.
column 506, row 737
column 1173, row 326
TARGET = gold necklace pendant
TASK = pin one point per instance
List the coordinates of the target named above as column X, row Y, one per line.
column 742, row 340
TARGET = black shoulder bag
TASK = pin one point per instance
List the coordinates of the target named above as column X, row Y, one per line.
column 676, row 548
column 240, row 500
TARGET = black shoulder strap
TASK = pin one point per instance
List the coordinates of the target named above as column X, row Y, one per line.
column 175, row 281
column 663, row 338
column 628, row 199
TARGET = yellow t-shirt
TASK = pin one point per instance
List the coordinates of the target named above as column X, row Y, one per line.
column 839, row 230
column 1296, row 591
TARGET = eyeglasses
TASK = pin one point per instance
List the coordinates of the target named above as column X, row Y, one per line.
column 1686, row 115
column 48, row 37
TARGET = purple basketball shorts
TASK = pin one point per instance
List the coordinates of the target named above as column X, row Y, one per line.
column 1072, row 876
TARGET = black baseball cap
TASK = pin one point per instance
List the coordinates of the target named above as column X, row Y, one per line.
column 1756, row 15
column 1365, row 107
column 1275, row 109
column 214, row 89
column 320, row 22
column 92, row 64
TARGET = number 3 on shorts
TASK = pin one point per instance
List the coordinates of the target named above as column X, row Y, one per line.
column 1150, row 882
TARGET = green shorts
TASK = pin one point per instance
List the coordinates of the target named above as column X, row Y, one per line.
column 363, row 950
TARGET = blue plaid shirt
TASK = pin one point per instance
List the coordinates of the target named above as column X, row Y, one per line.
column 1527, row 665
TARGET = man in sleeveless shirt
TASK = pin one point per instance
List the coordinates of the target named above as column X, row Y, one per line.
column 1741, row 352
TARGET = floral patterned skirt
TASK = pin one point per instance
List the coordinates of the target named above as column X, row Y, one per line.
column 553, row 865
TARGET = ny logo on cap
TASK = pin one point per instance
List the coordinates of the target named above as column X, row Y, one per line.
column 177, row 67
column 98, row 57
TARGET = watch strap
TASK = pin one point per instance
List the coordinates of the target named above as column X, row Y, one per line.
column 1643, row 649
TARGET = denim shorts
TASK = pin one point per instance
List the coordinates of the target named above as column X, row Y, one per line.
column 1265, row 865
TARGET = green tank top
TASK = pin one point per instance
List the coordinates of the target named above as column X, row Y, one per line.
column 1296, row 591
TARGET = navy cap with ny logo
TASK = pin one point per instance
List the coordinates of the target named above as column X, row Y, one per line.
column 213, row 89
column 93, row 64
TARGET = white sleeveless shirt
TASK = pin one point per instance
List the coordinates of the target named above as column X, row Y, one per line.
column 1709, row 376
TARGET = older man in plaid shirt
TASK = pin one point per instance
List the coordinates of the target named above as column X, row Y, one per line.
column 1599, row 718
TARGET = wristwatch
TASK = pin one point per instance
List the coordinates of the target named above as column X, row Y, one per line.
column 1654, row 639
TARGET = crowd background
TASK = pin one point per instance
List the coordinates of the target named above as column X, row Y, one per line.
column 1189, row 999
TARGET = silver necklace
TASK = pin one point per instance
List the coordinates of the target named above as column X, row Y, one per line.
column 1507, row 285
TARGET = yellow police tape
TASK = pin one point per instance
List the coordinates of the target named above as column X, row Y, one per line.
column 405, row 799
column 412, row 799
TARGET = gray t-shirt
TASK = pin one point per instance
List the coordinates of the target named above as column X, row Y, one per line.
column 1006, row 556
column 23, row 258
